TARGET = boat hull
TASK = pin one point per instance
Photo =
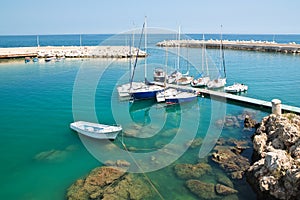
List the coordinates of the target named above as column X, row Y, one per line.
column 88, row 129
column 144, row 94
column 217, row 83
column 177, row 100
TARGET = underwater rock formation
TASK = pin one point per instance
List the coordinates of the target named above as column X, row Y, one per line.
column 109, row 183
column 229, row 158
column 189, row 171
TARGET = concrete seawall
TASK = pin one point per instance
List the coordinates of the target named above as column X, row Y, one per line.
column 70, row 52
column 262, row 46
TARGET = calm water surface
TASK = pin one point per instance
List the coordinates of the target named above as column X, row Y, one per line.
column 41, row 157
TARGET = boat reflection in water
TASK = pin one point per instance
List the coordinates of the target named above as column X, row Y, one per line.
column 139, row 111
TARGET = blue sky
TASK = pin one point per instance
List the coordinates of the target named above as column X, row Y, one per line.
column 18, row 17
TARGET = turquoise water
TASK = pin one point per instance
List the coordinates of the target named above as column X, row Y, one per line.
column 41, row 157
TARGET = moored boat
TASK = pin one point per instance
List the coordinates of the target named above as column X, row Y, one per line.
column 236, row 88
column 181, row 97
column 220, row 81
column 200, row 81
column 97, row 131
column 124, row 90
column 35, row 59
column 147, row 92
column 27, row 59
column 159, row 75
column 203, row 78
column 174, row 76
column 185, row 80
column 216, row 83
column 162, row 95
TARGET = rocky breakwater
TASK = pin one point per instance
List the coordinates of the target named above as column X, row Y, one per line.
column 275, row 174
column 110, row 183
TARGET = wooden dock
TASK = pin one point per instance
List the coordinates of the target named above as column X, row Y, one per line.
column 247, row 101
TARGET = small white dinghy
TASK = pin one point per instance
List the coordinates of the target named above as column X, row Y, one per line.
column 94, row 130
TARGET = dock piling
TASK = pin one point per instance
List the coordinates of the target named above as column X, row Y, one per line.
column 276, row 107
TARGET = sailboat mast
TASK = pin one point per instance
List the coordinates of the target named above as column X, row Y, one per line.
column 38, row 41
column 130, row 59
column 222, row 53
column 145, row 67
column 80, row 39
column 166, row 68
column 137, row 55
column 178, row 49
column 203, row 53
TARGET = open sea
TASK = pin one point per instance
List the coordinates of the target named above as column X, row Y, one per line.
column 41, row 156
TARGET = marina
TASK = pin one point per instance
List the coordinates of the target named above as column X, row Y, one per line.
column 233, row 98
column 251, row 45
column 38, row 96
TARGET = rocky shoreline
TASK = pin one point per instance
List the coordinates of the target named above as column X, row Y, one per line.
column 274, row 172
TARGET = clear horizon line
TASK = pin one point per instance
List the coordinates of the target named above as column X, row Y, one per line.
column 46, row 34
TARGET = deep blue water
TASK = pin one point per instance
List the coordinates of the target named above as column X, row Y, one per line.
column 96, row 39
column 40, row 154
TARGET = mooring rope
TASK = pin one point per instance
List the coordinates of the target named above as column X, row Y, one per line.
column 148, row 179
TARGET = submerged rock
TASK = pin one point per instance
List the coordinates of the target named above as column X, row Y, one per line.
column 118, row 163
column 223, row 179
column 276, row 172
column 197, row 142
column 249, row 122
column 54, row 154
column 109, row 183
column 209, row 190
column 229, row 158
column 225, row 190
column 189, row 171
column 201, row 189
column 228, row 121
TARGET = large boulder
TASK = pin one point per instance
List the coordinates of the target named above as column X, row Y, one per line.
column 276, row 172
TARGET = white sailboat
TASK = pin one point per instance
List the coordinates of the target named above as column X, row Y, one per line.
column 203, row 78
column 149, row 90
column 184, row 79
column 175, row 96
column 220, row 81
column 125, row 89
column 167, row 92
column 174, row 76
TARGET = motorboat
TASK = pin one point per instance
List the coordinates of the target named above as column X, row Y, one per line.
column 181, row 97
column 97, row 131
column 236, row 88
column 162, row 95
